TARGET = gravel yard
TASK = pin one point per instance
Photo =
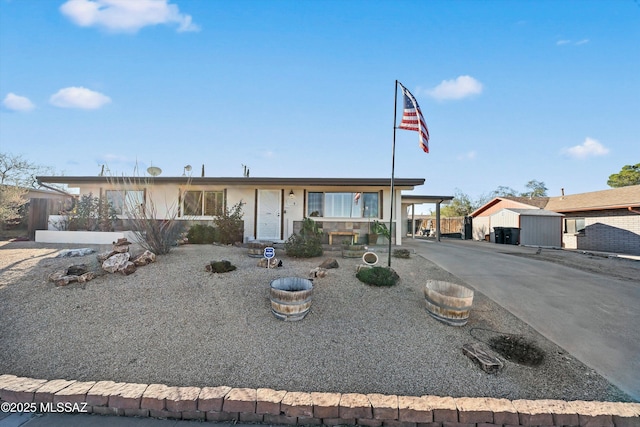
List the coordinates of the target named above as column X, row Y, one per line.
column 172, row 322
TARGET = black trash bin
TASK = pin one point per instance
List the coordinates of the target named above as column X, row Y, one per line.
column 507, row 236
column 499, row 234
column 514, row 236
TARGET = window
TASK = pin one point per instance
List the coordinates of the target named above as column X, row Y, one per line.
column 203, row 203
column 343, row 205
column 125, row 200
column 574, row 225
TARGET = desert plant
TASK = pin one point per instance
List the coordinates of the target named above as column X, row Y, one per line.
column 307, row 243
column 380, row 228
column 378, row 276
column 202, row 233
column 223, row 266
column 229, row 224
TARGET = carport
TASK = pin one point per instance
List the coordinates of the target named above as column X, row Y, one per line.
column 410, row 200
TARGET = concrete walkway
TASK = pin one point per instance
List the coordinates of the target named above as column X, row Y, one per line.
column 593, row 317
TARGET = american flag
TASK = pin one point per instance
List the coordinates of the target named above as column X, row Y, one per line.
column 412, row 119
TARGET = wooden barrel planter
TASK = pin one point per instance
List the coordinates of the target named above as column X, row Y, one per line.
column 291, row 298
column 256, row 249
column 448, row 302
column 353, row 251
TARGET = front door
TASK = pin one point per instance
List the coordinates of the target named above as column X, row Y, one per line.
column 269, row 212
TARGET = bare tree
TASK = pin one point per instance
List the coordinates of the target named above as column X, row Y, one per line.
column 16, row 170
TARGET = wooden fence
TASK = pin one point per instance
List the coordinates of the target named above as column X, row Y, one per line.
column 448, row 225
column 39, row 211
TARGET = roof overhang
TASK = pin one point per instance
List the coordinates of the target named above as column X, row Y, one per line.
column 253, row 181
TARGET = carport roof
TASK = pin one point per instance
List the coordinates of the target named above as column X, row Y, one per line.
column 419, row 199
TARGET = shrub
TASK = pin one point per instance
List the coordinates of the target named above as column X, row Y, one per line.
column 223, row 266
column 378, row 276
column 229, row 224
column 201, row 233
column 92, row 214
column 307, row 244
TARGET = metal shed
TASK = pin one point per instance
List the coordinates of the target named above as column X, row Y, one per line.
column 538, row 227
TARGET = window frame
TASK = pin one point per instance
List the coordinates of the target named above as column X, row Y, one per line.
column 337, row 202
column 573, row 226
column 203, row 199
column 121, row 208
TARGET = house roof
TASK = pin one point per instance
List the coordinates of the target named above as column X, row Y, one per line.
column 522, row 202
column 615, row 198
column 538, row 202
column 533, row 212
column 308, row 182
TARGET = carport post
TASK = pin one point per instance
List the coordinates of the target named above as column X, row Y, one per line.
column 413, row 220
column 438, row 221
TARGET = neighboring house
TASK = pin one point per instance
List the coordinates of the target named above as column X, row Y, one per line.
column 273, row 208
column 607, row 220
column 481, row 225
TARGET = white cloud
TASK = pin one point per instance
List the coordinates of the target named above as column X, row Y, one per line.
column 126, row 15
column 17, row 103
column 79, row 97
column 578, row 43
column 459, row 88
column 589, row 148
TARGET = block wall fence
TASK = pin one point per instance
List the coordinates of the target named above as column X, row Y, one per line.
column 263, row 405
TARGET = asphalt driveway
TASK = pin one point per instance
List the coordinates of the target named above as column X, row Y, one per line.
column 592, row 316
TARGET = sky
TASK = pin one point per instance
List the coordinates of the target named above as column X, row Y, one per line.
column 511, row 91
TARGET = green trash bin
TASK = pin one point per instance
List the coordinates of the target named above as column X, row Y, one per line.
column 499, row 234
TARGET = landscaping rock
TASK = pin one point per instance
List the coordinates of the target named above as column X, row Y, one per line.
column 318, row 272
column 147, row 257
column 483, row 357
column 116, row 262
column 330, row 263
column 74, row 252
column 77, row 270
column 273, row 263
column 128, row 268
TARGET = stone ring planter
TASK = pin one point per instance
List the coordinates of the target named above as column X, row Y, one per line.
column 448, row 302
column 290, row 298
column 370, row 258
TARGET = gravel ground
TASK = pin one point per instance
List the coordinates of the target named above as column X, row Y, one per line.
column 174, row 323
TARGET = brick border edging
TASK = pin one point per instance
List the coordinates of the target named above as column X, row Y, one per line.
column 270, row 406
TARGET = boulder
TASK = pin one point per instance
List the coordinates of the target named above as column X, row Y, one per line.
column 116, row 262
column 105, row 255
column 89, row 275
column 120, row 249
column 74, row 252
column 122, row 242
column 77, row 270
column 329, row 263
column 273, row 263
column 318, row 272
column 147, row 257
column 128, row 268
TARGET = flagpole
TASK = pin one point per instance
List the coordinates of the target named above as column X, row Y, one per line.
column 393, row 164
